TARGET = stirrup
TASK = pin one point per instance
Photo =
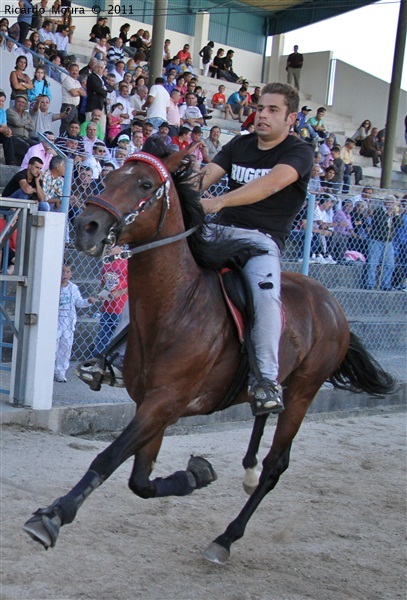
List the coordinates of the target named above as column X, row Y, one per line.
column 99, row 370
column 265, row 397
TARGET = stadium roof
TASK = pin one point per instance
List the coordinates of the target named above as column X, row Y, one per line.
column 286, row 15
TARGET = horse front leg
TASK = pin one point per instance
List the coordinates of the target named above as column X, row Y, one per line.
column 198, row 474
column 45, row 524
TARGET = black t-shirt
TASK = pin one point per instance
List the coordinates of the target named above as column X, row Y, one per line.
column 14, row 185
column 244, row 162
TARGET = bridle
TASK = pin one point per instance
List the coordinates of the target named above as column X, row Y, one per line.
column 138, row 209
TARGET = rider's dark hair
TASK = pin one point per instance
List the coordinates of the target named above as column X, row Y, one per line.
column 290, row 94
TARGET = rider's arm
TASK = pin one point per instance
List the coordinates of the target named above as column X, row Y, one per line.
column 279, row 178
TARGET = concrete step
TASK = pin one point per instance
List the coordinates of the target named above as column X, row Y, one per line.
column 372, row 304
column 382, row 335
column 6, row 173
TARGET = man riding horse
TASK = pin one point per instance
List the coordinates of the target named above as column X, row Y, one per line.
column 268, row 173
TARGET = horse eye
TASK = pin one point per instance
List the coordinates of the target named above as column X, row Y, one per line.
column 146, row 185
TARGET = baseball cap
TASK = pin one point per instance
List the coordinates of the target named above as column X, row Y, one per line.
column 306, row 108
column 123, row 138
column 164, row 124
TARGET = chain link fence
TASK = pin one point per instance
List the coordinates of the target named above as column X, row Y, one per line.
column 358, row 251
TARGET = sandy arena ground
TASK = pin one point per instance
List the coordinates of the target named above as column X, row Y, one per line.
column 334, row 528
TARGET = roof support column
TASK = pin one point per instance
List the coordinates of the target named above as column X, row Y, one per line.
column 201, row 36
column 277, row 50
column 159, row 23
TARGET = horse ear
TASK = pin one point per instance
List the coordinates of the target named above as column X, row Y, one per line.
column 173, row 161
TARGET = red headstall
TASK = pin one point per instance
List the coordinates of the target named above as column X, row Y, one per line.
column 149, row 159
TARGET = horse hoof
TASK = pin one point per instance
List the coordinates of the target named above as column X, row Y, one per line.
column 202, row 471
column 249, row 489
column 43, row 529
column 216, row 554
column 250, row 480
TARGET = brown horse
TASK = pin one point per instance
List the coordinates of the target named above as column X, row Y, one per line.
column 183, row 351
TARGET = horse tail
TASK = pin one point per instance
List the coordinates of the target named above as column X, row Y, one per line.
column 360, row 372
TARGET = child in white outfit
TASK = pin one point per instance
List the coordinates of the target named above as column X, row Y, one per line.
column 69, row 300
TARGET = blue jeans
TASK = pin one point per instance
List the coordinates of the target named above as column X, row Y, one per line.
column 44, row 206
column 378, row 252
column 107, row 325
column 155, row 121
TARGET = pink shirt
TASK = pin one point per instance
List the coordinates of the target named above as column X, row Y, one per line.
column 173, row 116
column 39, row 152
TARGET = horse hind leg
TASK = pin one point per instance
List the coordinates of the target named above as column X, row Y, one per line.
column 251, row 476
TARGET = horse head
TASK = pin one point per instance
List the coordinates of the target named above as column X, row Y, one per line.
column 133, row 207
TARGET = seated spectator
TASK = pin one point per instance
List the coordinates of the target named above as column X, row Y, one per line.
column 187, row 67
column 41, row 150
column 135, row 63
column 100, row 49
column 123, row 143
column 212, row 143
column 114, row 121
column 339, row 166
column 53, row 182
column 370, row 148
column 120, row 155
column 184, row 53
column 219, row 99
column 174, row 64
column 181, row 87
column 100, row 30
column 137, row 141
column 53, row 71
column 325, row 150
column 314, row 183
column 198, row 149
column 226, row 70
column 26, row 52
column 97, row 186
column 297, row 234
column 20, row 83
column 322, row 222
column 27, row 185
column 183, row 139
column 317, row 123
column 90, row 138
column 366, row 195
column 135, row 125
column 201, row 97
column 238, row 104
column 190, row 114
column 115, row 54
column 62, row 42
column 147, row 129
column 361, row 223
column 399, row 280
column 170, row 82
column 403, row 165
column 46, row 36
column 346, row 155
column 342, row 231
column 361, row 133
column 80, row 192
column 206, row 54
column 146, row 43
column 6, row 135
column 327, row 179
column 118, row 71
column 22, row 125
column 173, row 114
column 163, row 135
column 96, row 161
column 217, row 64
column 96, row 116
column 39, row 61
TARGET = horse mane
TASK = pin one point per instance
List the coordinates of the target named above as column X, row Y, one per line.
column 208, row 254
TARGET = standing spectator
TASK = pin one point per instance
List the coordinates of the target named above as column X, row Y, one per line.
column 24, row 18
column 113, row 293
column 346, row 155
column 342, row 230
column 399, row 280
column 206, row 54
column 361, row 226
column 339, row 166
column 69, row 300
column 72, row 92
column 96, row 95
column 157, row 103
column 212, row 143
column 90, row 138
column 62, row 43
column 123, row 98
column 137, row 101
column 381, row 250
column 294, row 65
column 53, row 182
column 6, row 135
column 22, row 126
column 26, row 52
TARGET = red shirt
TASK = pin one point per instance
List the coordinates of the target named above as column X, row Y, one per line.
column 218, row 98
column 182, row 55
column 114, row 278
column 181, row 145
